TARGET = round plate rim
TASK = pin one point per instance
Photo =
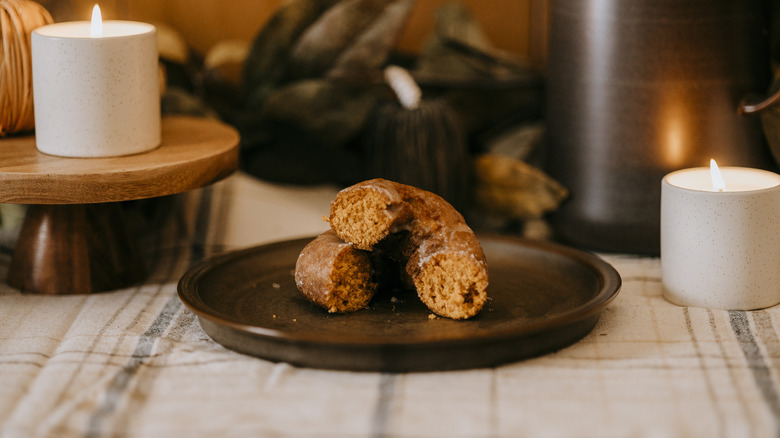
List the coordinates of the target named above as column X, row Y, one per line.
column 611, row 286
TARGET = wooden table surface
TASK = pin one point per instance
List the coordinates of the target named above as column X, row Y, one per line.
column 194, row 152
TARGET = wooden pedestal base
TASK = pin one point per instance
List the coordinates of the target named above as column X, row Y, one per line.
column 74, row 239
column 70, row 249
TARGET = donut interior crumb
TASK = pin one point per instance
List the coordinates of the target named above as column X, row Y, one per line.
column 353, row 285
column 450, row 285
column 360, row 218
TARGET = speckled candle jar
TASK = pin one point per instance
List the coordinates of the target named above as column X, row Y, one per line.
column 96, row 96
column 721, row 249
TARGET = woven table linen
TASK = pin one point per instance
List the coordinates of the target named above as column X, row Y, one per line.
column 136, row 363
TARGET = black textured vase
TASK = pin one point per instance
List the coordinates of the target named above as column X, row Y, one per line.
column 424, row 147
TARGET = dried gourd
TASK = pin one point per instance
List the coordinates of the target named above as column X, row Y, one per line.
column 509, row 187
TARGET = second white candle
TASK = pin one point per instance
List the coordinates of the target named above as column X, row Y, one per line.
column 721, row 249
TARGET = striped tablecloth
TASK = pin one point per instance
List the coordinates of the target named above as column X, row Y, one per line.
column 135, row 362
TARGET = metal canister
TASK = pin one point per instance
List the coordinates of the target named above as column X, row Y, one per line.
column 638, row 88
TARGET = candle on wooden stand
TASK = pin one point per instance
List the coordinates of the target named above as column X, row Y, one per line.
column 720, row 237
column 96, row 88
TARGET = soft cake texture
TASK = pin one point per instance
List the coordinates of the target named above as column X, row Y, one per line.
column 450, row 273
column 335, row 275
column 365, row 214
column 441, row 257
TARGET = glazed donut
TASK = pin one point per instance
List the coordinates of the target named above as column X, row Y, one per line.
column 442, row 257
column 335, row 275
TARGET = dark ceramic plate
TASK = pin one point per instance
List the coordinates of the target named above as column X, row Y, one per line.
column 543, row 297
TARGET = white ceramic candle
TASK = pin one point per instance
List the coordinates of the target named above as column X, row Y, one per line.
column 721, row 248
column 96, row 96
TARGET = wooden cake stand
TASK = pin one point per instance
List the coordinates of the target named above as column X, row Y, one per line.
column 74, row 238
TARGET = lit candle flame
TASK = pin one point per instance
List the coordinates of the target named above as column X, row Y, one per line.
column 718, row 183
column 96, row 27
